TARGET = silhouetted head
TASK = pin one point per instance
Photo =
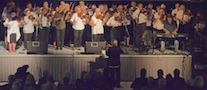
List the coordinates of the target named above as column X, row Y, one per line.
column 143, row 72
column 66, row 80
column 169, row 79
column 50, row 78
column 11, row 79
column 176, row 72
column 160, row 73
column 45, row 73
column 82, row 74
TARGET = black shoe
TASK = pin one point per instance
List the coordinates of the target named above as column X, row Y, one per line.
column 56, row 48
column 61, row 48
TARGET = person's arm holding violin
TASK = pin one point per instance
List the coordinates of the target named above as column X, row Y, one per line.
column 72, row 20
column 91, row 23
column 58, row 18
column 6, row 23
column 67, row 15
column 109, row 23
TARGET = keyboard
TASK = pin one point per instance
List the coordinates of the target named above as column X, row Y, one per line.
column 179, row 35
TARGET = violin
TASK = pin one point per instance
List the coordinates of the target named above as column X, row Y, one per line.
column 52, row 10
column 82, row 16
column 31, row 18
column 118, row 19
column 98, row 16
column 62, row 13
column 187, row 12
column 19, row 20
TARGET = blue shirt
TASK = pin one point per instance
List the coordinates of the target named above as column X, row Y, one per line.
column 170, row 27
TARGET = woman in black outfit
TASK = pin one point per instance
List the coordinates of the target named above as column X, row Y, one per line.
column 114, row 61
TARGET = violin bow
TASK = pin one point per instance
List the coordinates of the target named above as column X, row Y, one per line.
column 73, row 6
column 50, row 6
column 70, row 4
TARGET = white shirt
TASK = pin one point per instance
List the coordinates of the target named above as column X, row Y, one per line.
column 44, row 20
column 149, row 22
column 131, row 11
column 126, row 21
column 80, row 25
column 174, row 11
column 135, row 13
column 98, row 29
column 113, row 21
column 29, row 27
column 179, row 15
column 158, row 25
column 14, row 29
column 142, row 18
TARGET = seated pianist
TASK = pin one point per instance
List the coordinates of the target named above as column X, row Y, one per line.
column 170, row 28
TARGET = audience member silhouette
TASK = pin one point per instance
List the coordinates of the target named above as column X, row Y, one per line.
column 22, row 73
column 81, row 80
column 160, row 76
column 169, row 82
column 68, row 75
column 106, row 81
column 30, row 83
column 87, row 84
column 43, row 79
column 16, row 85
column 8, row 86
column 50, row 84
column 151, row 84
column 66, row 85
column 198, row 83
column 140, row 82
column 161, row 85
column 177, row 77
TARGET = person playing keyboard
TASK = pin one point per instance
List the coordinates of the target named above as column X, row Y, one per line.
column 170, row 28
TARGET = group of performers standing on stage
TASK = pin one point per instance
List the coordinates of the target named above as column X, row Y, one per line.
column 67, row 21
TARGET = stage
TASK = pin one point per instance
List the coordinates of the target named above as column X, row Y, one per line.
column 57, row 62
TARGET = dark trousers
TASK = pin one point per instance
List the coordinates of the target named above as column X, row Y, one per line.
column 68, row 34
column 115, row 33
column 27, row 37
column 98, row 37
column 87, row 36
column 19, row 42
column 60, row 35
column 44, row 34
column 115, row 74
column 138, row 32
column 52, row 34
column 107, row 30
column 78, row 37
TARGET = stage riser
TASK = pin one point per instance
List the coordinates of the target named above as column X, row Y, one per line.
column 58, row 65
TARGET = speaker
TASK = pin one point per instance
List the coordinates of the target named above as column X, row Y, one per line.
column 94, row 47
column 37, row 47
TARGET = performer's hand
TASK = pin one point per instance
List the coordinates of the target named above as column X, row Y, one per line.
column 154, row 32
column 174, row 32
column 112, row 26
column 94, row 24
column 183, row 21
column 8, row 25
column 74, row 23
column 167, row 32
column 25, row 22
column 40, row 22
column 61, row 19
